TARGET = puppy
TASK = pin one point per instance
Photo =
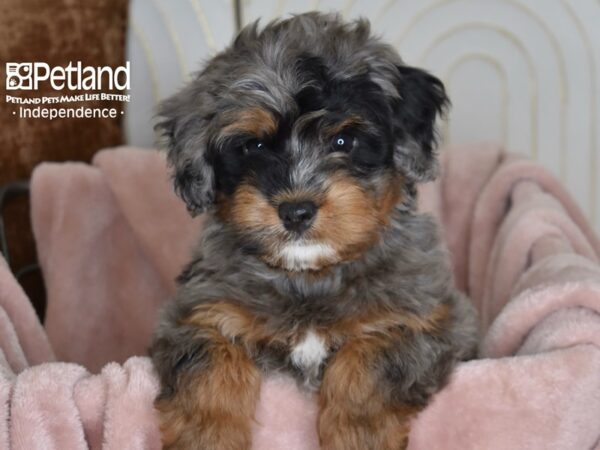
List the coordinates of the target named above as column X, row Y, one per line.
column 303, row 142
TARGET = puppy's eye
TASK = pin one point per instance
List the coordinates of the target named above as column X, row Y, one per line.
column 343, row 143
column 254, row 145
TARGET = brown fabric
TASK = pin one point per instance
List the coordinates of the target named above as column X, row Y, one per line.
column 55, row 32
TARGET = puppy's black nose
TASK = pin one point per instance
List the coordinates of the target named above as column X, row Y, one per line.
column 297, row 216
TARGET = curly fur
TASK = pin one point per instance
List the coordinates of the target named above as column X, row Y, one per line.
column 365, row 295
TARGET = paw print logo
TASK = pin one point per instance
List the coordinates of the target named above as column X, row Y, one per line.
column 19, row 76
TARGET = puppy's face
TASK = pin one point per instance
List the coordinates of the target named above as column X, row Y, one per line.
column 303, row 136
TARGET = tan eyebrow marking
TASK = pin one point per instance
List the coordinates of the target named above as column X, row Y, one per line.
column 349, row 122
column 254, row 121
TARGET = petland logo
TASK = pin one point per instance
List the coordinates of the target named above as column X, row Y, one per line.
column 75, row 77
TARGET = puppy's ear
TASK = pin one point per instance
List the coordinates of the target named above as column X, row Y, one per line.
column 422, row 99
column 184, row 123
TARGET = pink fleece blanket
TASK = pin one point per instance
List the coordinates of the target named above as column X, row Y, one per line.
column 112, row 237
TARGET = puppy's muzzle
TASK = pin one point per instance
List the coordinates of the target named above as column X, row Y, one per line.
column 297, row 216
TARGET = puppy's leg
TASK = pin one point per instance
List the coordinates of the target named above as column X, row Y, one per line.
column 209, row 396
column 355, row 413
column 376, row 383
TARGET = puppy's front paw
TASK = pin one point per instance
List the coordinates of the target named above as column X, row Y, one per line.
column 202, row 431
column 359, row 410
column 381, row 430
column 211, row 408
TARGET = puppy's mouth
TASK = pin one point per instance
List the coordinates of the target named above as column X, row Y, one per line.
column 303, row 255
column 302, row 252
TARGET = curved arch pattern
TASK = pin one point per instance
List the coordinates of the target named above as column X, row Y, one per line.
column 499, row 108
column 511, row 54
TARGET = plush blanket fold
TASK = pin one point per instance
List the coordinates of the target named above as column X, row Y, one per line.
column 112, row 236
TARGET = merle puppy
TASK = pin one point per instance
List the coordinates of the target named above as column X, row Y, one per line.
column 303, row 142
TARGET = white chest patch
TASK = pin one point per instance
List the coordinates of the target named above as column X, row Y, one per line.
column 309, row 353
column 301, row 256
